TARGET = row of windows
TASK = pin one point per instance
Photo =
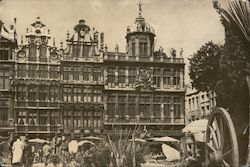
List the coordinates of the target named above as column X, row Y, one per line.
column 33, row 93
column 82, row 118
column 82, row 94
column 35, row 117
column 85, row 73
column 41, row 71
column 83, row 51
column 117, row 105
column 75, row 118
column 145, row 110
column 143, row 48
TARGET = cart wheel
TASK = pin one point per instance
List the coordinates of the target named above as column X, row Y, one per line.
column 221, row 140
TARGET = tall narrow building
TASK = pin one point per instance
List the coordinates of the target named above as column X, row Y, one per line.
column 82, row 82
column 37, row 83
column 8, row 43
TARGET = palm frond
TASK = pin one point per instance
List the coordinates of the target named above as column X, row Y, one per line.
column 238, row 16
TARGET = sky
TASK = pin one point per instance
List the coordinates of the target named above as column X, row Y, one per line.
column 186, row 24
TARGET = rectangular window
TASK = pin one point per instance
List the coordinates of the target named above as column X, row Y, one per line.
column 77, row 94
column 76, row 50
column 54, row 93
column 144, row 106
column 32, row 71
column 111, row 106
column 54, row 72
column 143, row 52
column 121, row 77
column 21, row 70
column 76, row 73
column 86, row 73
column 87, row 118
column 133, row 49
column 132, row 76
column 177, row 107
column 132, row 106
column 166, row 78
column 87, row 94
column 157, row 78
column 111, row 77
column 4, row 79
column 97, row 74
column 32, row 92
column 97, row 96
column 43, row 93
column 121, row 105
column 4, row 53
column 66, row 73
column 86, row 50
column 176, row 78
column 4, row 107
column 43, row 71
column 21, row 92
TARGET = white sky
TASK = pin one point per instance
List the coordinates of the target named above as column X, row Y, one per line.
column 186, row 24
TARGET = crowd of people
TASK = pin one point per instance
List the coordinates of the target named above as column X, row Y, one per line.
column 18, row 151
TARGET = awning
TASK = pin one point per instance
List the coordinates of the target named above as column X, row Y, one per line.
column 37, row 140
column 196, row 126
column 163, row 139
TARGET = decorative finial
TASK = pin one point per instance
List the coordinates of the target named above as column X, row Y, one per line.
column 27, row 30
column 48, row 31
column 54, row 43
column 67, row 34
column 116, row 48
column 21, row 39
column 140, row 9
column 61, row 44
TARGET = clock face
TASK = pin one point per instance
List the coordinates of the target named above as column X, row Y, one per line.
column 21, row 54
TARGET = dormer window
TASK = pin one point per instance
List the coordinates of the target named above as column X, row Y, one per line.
column 143, row 50
column 32, row 53
column 43, row 39
column 43, row 53
column 32, row 39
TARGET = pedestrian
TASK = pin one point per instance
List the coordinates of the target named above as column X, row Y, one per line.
column 17, row 151
column 27, row 154
column 63, row 150
column 46, row 153
column 5, row 149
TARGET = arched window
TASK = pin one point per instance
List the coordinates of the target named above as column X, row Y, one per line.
column 32, row 53
column 43, row 53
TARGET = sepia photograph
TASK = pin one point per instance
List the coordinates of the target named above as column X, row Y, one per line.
column 124, row 83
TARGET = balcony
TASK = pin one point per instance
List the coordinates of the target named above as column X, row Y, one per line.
column 113, row 56
column 118, row 120
column 37, row 128
column 37, row 104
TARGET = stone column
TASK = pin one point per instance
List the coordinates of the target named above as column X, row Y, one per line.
column 181, row 79
column 172, row 110
column 126, row 76
column 162, row 112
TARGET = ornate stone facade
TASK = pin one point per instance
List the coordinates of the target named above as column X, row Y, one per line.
column 87, row 90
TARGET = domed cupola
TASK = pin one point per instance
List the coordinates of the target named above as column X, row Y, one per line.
column 140, row 37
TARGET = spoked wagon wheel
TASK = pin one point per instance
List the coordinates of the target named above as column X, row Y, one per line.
column 221, row 140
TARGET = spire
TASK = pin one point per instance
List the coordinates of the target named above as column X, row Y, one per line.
column 140, row 9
